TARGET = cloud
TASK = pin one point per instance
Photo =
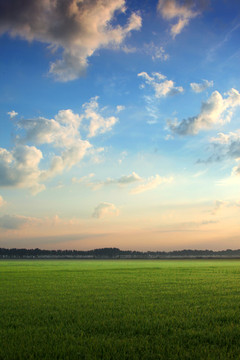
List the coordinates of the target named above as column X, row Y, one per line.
column 61, row 131
column 12, row 222
column 156, row 52
column 151, row 183
column 104, row 210
column 161, row 85
column 12, row 114
column 68, row 158
column 126, row 180
column 236, row 170
column 19, row 168
column 121, row 181
column 197, row 88
column 216, row 110
column 2, row 201
column 226, row 146
column 120, row 108
column 182, row 12
column 98, row 124
column 75, row 28
column 83, row 179
column 219, row 204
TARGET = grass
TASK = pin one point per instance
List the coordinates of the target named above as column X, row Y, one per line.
column 119, row 310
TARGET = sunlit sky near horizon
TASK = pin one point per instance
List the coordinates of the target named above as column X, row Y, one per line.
column 120, row 124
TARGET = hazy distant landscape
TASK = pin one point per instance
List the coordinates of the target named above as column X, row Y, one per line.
column 114, row 253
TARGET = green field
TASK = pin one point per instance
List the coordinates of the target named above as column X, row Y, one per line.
column 119, row 309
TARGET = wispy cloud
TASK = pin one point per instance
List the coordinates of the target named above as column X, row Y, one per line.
column 78, row 28
column 157, row 52
column 183, row 12
column 161, row 85
column 145, row 184
column 200, row 87
column 151, row 183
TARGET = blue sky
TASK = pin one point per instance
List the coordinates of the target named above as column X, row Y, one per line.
column 120, row 124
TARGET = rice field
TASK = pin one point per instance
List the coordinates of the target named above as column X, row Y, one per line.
column 67, row 309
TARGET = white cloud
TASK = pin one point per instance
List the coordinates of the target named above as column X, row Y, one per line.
column 215, row 111
column 161, row 85
column 151, row 183
column 68, row 158
column 104, row 210
column 197, row 88
column 98, row 124
column 77, row 28
column 61, row 131
column 12, row 114
column 182, row 12
column 120, row 108
column 19, row 168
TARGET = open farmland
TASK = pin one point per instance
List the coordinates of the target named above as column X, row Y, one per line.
column 120, row 309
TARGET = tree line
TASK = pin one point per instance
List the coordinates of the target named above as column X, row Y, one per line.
column 114, row 253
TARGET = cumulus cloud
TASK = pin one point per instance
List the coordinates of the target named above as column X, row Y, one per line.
column 151, row 183
column 12, row 114
column 183, row 12
column 68, row 158
column 98, row 124
column 215, row 111
column 75, row 28
column 197, row 88
column 19, row 167
column 161, row 85
column 104, row 210
column 61, row 131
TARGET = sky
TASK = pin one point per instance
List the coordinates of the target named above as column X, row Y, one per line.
column 119, row 124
